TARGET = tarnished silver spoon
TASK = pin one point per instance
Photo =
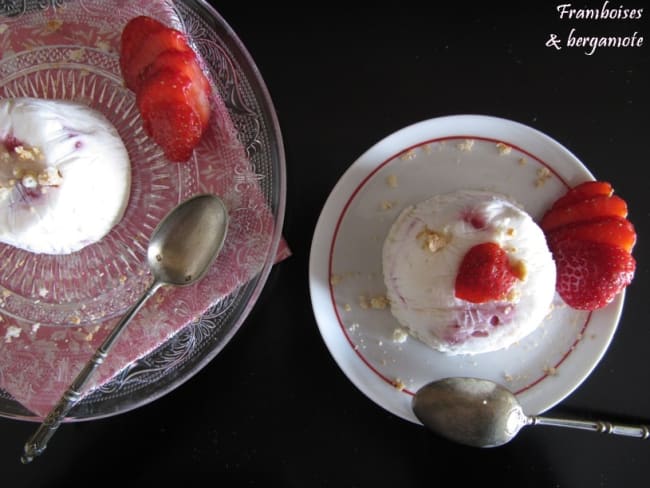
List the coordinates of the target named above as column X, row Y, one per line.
column 482, row 413
column 180, row 251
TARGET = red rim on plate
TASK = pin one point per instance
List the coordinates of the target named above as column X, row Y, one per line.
column 438, row 156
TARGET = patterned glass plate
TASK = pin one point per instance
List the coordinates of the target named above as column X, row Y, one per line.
column 67, row 50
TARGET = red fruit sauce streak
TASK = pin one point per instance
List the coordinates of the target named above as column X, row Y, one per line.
column 355, row 348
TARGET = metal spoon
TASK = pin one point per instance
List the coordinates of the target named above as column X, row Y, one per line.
column 180, row 251
column 481, row 413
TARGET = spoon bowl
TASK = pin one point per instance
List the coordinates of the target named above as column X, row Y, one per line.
column 181, row 249
column 469, row 411
column 482, row 413
column 185, row 243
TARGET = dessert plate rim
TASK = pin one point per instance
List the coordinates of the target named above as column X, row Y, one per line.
column 390, row 372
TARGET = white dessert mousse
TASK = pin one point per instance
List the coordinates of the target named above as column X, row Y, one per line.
column 65, row 175
column 423, row 252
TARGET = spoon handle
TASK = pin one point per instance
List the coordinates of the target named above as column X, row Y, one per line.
column 37, row 443
column 601, row 426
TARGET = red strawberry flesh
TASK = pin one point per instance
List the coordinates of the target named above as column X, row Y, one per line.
column 167, row 114
column 132, row 38
column 186, row 64
column 615, row 231
column 591, row 208
column 583, row 191
column 151, row 47
column 484, row 274
column 591, row 274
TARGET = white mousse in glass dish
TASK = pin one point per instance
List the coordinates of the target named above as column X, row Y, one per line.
column 65, row 175
column 424, row 251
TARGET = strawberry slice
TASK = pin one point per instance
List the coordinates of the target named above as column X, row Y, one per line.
column 583, row 191
column 133, row 35
column 484, row 274
column 591, row 274
column 591, row 208
column 168, row 115
column 152, row 45
column 615, row 231
column 186, row 64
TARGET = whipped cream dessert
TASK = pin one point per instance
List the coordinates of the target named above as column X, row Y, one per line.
column 421, row 257
column 65, row 175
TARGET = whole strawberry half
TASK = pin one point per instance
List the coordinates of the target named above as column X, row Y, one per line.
column 484, row 274
column 590, row 274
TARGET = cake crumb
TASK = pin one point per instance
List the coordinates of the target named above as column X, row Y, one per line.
column 431, row 239
column 522, row 161
column 13, row 332
column 347, row 307
column 336, row 279
column 103, row 45
column 400, row 335
column 543, row 174
column 550, row 370
column 387, row 204
column 399, row 384
column 503, row 148
column 74, row 319
column 408, row 155
column 43, row 292
column 53, row 25
column 507, row 377
column 520, row 270
column 76, row 54
column 391, row 181
column 363, row 302
column 379, row 302
column 466, row 145
column 35, row 327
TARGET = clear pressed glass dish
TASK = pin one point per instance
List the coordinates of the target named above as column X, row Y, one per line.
column 70, row 295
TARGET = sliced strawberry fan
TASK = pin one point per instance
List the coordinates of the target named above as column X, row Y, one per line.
column 592, row 241
column 172, row 93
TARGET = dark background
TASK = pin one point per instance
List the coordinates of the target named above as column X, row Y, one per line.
column 273, row 408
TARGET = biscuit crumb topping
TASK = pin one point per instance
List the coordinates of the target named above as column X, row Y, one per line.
column 25, row 165
column 391, row 181
column 543, row 174
column 503, row 148
column 432, row 240
column 466, row 145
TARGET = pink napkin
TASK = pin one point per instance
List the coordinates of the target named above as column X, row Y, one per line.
column 38, row 362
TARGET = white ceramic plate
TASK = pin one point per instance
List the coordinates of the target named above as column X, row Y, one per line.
column 427, row 158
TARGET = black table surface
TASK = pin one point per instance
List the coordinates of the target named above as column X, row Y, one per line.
column 273, row 408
